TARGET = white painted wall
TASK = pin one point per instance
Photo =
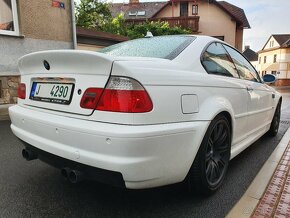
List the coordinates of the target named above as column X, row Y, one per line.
column 272, row 43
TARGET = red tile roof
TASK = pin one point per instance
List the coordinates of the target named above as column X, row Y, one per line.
column 282, row 39
column 237, row 13
column 152, row 8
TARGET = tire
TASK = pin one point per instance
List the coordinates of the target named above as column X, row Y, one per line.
column 211, row 162
column 275, row 121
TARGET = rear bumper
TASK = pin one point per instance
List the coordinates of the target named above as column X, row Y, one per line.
column 146, row 156
column 91, row 173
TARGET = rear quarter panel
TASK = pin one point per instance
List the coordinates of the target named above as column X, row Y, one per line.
column 167, row 81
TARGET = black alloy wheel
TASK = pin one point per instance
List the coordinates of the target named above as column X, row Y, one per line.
column 217, row 152
column 211, row 162
column 275, row 121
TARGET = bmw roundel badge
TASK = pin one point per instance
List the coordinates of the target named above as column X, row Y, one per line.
column 46, row 65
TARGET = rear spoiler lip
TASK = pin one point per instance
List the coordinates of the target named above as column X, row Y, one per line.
column 66, row 51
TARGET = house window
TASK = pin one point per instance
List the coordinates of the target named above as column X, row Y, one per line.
column 8, row 17
column 194, row 9
column 183, row 9
column 141, row 13
column 132, row 13
column 274, row 72
column 275, row 58
column 220, row 37
column 265, row 59
column 259, row 60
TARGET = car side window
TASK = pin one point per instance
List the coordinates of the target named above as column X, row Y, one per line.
column 245, row 69
column 217, row 61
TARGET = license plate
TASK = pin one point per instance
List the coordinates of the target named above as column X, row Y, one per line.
column 59, row 93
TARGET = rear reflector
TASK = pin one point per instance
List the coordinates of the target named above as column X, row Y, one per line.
column 121, row 94
column 91, row 98
column 21, row 91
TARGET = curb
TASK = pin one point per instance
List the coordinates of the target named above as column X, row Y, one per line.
column 249, row 201
column 4, row 115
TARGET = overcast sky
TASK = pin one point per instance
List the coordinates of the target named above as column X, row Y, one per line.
column 266, row 17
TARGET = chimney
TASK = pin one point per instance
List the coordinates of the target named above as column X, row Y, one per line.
column 133, row 1
column 247, row 47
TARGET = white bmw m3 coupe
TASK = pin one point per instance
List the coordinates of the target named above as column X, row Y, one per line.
column 143, row 113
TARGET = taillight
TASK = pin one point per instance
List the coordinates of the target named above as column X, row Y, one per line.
column 121, row 94
column 126, row 95
column 21, row 91
column 91, row 98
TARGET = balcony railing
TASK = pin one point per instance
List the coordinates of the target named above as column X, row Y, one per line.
column 191, row 23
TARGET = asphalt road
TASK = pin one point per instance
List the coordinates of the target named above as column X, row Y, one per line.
column 34, row 189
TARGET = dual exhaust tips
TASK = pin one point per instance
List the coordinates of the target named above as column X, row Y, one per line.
column 73, row 176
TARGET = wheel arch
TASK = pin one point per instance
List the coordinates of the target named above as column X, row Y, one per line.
column 280, row 100
column 230, row 120
column 223, row 107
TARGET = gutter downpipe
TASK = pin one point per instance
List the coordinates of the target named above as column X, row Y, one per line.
column 74, row 34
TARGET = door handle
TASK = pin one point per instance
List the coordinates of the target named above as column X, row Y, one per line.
column 249, row 89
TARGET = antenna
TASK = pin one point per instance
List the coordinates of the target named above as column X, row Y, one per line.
column 149, row 34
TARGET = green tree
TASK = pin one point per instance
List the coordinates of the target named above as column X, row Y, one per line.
column 92, row 14
column 116, row 25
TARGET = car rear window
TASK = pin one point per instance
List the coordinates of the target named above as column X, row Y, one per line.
column 167, row 47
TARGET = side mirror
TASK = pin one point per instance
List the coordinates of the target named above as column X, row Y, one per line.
column 269, row 78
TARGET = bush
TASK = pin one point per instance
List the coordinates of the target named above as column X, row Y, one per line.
column 157, row 28
column 133, row 31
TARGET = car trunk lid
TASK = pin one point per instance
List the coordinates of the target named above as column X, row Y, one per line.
column 56, row 80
